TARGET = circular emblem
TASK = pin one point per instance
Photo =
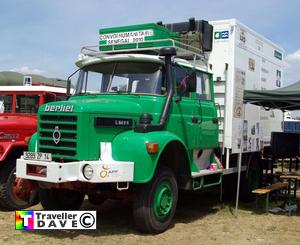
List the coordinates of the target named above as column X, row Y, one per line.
column 56, row 135
column 217, row 35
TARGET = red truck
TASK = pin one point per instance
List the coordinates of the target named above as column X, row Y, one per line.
column 18, row 121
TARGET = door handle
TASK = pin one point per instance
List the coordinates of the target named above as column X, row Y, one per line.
column 195, row 119
column 215, row 120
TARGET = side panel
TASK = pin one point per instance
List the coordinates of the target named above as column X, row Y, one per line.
column 256, row 58
column 221, row 61
column 241, row 60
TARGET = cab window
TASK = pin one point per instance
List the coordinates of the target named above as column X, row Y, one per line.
column 182, row 74
column 27, row 104
column 202, row 86
column 6, row 103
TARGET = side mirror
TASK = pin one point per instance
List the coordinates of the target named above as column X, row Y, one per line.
column 68, row 92
column 68, row 87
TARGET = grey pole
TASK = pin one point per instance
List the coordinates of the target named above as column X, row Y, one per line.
column 240, row 162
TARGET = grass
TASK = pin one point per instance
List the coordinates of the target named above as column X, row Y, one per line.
column 200, row 219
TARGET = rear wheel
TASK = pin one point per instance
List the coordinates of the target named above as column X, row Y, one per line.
column 155, row 202
column 229, row 182
column 251, row 180
column 15, row 193
column 60, row 199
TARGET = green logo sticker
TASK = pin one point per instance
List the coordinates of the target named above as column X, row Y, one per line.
column 277, row 55
column 221, row 35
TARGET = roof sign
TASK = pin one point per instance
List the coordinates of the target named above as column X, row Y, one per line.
column 125, row 37
column 135, row 36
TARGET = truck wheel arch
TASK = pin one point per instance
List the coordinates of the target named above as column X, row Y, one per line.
column 131, row 146
column 175, row 157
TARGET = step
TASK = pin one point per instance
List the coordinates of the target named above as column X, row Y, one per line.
column 205, row 172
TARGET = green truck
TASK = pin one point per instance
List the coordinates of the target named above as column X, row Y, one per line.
column 142, row 123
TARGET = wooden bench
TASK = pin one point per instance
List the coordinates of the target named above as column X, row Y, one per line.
column 267, row 190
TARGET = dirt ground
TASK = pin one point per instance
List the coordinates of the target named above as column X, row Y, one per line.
column 200, row 219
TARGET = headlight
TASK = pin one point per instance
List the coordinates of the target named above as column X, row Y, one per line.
column 87, row 171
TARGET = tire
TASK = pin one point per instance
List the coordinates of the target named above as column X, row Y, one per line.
column 252, row 179
column 60, row 199
column 15, row 191
column 155, row 203
column 96, row 199
column 229, row 184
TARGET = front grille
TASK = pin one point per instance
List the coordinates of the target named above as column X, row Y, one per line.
column 58, row 135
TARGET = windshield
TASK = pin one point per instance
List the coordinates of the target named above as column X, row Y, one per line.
column 122, row 77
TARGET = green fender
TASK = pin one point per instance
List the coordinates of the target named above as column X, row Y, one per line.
column 131, row 146
column 33, row 142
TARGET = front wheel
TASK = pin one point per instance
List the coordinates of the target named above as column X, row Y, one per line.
column 60, row 199
column 155, row 203
column 15, row 193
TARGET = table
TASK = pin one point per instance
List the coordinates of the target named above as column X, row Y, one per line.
column 289, row 178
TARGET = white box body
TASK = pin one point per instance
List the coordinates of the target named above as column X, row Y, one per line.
column 243, row 59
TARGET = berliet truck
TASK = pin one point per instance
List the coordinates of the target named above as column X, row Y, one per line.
column 157, row 108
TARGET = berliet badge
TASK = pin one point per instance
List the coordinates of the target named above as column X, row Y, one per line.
column 56, row 135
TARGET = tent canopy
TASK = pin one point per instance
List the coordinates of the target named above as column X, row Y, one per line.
column 287, row 98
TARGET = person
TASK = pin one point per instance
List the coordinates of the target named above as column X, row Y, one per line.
column 2, row 108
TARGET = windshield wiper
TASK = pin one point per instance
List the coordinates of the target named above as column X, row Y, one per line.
column 112, row 76
column 119, row 92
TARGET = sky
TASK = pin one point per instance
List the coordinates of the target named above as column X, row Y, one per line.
column 45, row 36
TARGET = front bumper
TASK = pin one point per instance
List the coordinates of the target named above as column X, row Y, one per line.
column 53, row 172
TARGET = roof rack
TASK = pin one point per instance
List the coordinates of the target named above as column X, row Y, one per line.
column 184, row 50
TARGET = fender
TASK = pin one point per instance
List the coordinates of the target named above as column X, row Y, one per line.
column 7, row 147
column 131, row 146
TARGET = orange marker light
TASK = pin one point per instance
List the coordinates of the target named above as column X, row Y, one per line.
column 152, row 147
column 27, row 139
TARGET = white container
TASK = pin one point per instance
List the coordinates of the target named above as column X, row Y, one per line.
column 243, row 59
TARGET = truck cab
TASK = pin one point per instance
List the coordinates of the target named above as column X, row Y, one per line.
column 142, row 123
column 18, row 122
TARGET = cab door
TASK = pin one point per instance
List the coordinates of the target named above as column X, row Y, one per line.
column 206, row 113
column 184, row 109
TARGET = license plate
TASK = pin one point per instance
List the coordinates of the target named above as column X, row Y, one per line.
column 37, row 156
